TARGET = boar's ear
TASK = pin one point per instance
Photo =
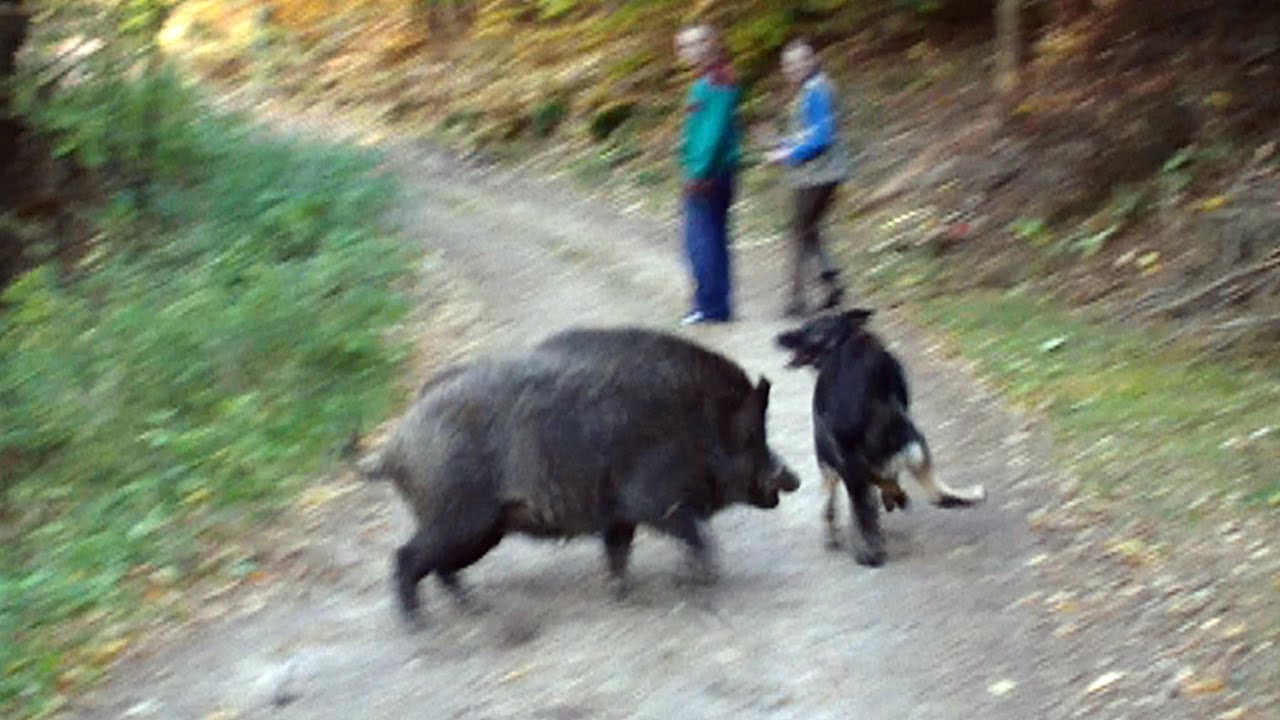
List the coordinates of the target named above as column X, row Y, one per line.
column 749, row 417
column 762, row 393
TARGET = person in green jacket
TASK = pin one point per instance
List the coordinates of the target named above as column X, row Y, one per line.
column 709, row 157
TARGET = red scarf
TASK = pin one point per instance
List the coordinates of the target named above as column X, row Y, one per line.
column 720, row 73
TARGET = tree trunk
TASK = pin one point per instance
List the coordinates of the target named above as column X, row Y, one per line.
column 1066, row 12
column 1008, row 52
column 13, row 31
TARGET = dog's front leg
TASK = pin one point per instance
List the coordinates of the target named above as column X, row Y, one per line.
column 831, row 483
column 868, row 541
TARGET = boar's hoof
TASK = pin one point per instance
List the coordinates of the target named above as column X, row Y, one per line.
column 870, row 555
column 620, row 588
column 412, row 619
column 701, row 571
column 462, row 596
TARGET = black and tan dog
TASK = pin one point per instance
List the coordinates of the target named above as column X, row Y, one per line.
column 863, row 430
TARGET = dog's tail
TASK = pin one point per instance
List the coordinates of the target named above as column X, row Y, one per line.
column 916, row 452
column 919, row 462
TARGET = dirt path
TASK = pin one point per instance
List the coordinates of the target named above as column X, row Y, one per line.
column 797, row 632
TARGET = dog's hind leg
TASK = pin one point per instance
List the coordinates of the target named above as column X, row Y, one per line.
column 831, row 483
column 892, row 495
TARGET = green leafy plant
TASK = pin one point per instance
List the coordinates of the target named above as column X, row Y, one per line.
column 204, row 361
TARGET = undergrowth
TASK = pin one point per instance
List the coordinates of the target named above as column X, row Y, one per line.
column 207, row 355
column 1138, row 414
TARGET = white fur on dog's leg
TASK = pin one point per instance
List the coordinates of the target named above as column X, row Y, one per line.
column 939, row 493
column 831, row 483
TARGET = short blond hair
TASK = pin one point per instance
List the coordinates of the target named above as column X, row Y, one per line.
column 800, row 51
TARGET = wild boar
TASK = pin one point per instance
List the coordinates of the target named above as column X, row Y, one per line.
column 593, row 432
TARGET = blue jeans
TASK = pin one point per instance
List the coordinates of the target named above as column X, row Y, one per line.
column 706, row 237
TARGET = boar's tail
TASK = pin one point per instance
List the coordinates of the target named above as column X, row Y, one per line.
column 373, row 467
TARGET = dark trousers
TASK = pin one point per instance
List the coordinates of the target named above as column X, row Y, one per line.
column 810, row 205
column 706, row 235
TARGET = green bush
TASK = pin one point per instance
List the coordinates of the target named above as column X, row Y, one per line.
column 203, row 362
column 548, row 116
column 609, row 118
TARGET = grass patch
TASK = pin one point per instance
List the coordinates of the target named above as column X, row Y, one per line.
column 189, row 377
column 1137, row 416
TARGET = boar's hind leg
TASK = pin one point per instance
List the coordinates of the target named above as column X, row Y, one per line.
column 461, row 555
column 617, row 546
column 413, row 562
column 426, row 553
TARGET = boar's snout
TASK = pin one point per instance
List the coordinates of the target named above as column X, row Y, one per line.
column 777, row 479
column 786, row 480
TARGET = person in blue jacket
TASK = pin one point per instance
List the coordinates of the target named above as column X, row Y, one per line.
column 816, row 164
column 709, row 157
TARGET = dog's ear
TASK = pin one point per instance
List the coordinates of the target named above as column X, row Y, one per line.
column 859, row 316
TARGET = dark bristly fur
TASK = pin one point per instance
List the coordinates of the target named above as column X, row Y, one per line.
column 863, row 432
column 592, row 432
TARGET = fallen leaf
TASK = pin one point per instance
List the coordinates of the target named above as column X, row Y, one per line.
column 1038, row 520
column 107, row 652
column 68, row 679
column 1207, row 686
column 320, row 496
column 1132, row 551
column 1104, row 681
column 1234, row 631
column 1218, row 99
column 1213, row 203
column 196, row 497
column 1067, row 607
column 516, row 674
column 1053, row 344
column 1000, row 688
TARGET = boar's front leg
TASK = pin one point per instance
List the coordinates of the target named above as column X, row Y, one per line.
column 617, row 546
column 682, row 522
